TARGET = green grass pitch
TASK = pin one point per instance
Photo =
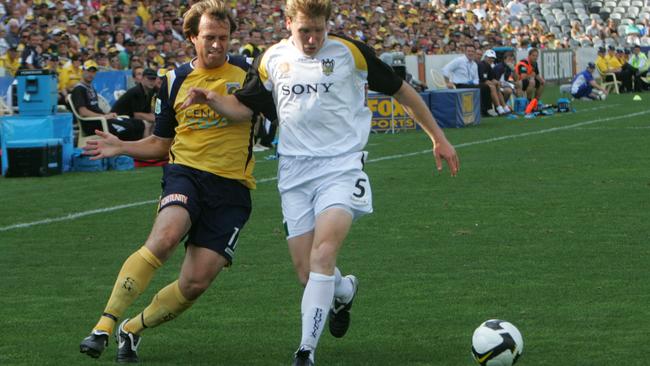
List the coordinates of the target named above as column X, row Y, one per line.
column 546, row 226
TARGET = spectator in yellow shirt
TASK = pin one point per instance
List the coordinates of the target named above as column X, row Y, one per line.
column 609, row 64
column 10, row 61
column 70, row 75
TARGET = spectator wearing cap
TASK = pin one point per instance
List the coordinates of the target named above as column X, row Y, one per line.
column 154, row 60
column 624, row 75
column 583, row 84
column 137, row 101
column 10, row 61
column 601, row 62
column 509, row 81
column 86, row 101
column 638, row 62
column 489, row 84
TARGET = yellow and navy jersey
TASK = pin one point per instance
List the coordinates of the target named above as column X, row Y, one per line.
column 320, row 100
column 203, row 139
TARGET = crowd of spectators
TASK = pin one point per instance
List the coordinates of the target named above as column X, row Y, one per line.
column 121, row 34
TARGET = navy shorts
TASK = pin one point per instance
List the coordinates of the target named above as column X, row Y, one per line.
column 218, row 207
column 526, row 82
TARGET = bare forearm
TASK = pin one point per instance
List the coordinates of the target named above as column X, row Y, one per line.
column 151, row 147
column 416, row 108
column 230, row 107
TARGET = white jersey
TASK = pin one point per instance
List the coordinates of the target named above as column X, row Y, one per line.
column 321, row 100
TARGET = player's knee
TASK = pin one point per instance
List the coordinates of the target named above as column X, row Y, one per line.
column 163, row 243
column 193, row 288
column 324, row 256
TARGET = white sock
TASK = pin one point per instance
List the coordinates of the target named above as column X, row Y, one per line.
column 343, row 289
column 507, row 109
column 316, row 302
column 500, row 110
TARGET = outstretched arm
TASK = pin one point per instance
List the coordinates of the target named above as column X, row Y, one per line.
column 595, row 85
column 442, row 149
column 151, row 147
column 225, row 105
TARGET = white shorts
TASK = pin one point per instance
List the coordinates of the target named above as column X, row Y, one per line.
column 310, row 185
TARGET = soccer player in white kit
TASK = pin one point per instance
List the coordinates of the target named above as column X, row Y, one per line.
column 318, row 83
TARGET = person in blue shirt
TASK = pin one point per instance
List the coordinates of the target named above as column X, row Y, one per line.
column 583, row 85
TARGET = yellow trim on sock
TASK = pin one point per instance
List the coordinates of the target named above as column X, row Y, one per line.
column 149, row 257
column 105, row 324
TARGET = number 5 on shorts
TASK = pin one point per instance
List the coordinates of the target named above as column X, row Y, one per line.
column 360, row 187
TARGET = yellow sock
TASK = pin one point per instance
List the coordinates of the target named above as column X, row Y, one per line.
column 165, row 306
column 133, row 279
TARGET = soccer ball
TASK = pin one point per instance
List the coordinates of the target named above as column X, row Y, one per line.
column 601, row 95
column 497, row 343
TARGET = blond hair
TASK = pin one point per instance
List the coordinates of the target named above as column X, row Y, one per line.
column 311, row 8
column 216, row 9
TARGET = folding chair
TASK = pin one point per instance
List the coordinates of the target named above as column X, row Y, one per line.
column 437, row 79
column 82, row 137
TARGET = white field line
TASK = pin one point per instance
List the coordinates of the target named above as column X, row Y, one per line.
column 77, row 215
column 613, row 128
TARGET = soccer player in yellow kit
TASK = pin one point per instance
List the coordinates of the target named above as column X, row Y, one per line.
column 205, row 186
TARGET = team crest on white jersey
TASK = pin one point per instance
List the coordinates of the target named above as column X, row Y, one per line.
column 328, row 66
column 231, row 88
column 284, row 69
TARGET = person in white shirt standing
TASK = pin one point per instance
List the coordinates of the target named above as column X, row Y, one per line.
column 317, row 83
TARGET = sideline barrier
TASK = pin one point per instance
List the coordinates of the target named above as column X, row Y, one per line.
column 450, row 107
column 456, row 107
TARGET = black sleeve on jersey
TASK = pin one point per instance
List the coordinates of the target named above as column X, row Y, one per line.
column 254, row 95
column 381, row 77
column 165, row 120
